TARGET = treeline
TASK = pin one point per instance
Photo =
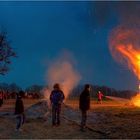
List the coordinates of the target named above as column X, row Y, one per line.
column 107, row 91
column 9, row 91
column 36, row 91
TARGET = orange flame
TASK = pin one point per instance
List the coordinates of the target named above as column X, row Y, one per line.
column 133, row 58
column 136, row 100
column 125, row 48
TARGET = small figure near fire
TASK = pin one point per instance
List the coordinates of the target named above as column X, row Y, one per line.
column 56, row 98
column 84, row 105
column 100, row 96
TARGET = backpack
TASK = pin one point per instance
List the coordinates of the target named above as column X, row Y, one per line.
column 57, row 97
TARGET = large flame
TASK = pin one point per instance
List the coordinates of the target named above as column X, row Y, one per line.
column 124, row 45
column 132, row 56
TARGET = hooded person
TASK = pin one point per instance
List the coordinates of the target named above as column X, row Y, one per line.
column 84, row 105
column 56, row 99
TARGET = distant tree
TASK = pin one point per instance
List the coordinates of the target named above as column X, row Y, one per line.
column 34, row 90
column 6, row 53
column 107, row 91
column 14, row 88
column 4, row 86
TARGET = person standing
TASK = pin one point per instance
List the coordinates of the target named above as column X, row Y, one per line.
column 56, row 99
column 19, row 112
column 100, row 96
column 84, row 105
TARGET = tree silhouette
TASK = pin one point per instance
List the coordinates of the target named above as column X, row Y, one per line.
column 6, row 53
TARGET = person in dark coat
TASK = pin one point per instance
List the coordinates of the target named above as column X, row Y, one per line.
column 19, row 111
column 56, row 98
column 84, row 105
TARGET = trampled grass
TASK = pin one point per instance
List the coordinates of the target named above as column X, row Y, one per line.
column 115, row 120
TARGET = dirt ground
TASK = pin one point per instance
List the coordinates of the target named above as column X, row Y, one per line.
column 109, row 120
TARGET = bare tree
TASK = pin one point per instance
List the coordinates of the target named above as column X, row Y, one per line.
column 6, row 53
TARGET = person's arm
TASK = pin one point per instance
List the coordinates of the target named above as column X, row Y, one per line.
column 15, row 108
column 63, row 96
column 51, row 97
column 22, row 106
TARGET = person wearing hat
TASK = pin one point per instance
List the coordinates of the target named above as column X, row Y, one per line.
column 19, row 111
column 56, row 99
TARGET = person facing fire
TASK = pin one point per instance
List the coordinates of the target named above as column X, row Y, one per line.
column 100, row 96
column 19, row 111
column 84, row 105
column 56, row 98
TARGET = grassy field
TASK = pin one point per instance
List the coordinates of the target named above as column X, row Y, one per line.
column 114, row 119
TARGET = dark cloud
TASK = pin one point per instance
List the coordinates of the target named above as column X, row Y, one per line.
column 127, row 11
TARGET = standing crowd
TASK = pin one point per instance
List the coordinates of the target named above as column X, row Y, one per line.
column 56, row 99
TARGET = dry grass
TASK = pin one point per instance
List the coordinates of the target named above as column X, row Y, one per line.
column 115, row 120
column 118, row 121
column 37, row 129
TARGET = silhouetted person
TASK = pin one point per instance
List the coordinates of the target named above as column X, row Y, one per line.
column 56, row 98
column 84, row 105
column 19, row 111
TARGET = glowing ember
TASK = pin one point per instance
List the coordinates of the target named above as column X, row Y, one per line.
column 136, row 100
column 125, row 48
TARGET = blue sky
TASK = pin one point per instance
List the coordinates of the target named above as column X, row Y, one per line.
column 40, row 31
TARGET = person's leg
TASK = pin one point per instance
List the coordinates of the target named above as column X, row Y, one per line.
column 98, row 101
column 18, row 121
column 58, row 115
column 23, row 118
column 83, row 121
column 53, row 115
column 101, row 101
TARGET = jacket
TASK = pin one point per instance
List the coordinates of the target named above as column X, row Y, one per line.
column 57, row 97
column 19, row 107
column 84, row 101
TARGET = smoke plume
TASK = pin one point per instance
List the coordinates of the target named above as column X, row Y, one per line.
column 62, row 71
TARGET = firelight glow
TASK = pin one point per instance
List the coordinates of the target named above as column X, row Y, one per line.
column 133, row 58
column 124, row 47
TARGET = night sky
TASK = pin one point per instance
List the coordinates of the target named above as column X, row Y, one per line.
column 40, row 31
